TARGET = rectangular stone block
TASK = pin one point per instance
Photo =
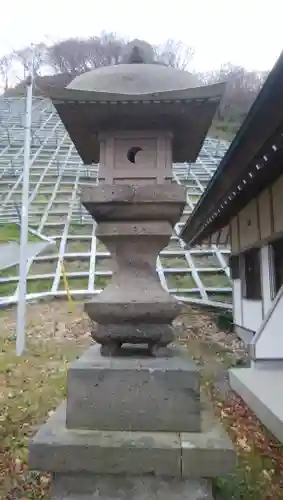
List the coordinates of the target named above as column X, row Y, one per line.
column 209, row 453
column 58, row 449
column 133, row 393
column 90, row 487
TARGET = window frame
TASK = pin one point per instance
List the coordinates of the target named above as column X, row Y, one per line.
column 275, row 285
column 234, row 265
column 252, row 290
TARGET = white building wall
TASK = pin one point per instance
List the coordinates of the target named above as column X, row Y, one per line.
column 268, row 341
column 237, row 303
column 252, row 314
column 259, row 321
column 266, row 279
column 249, row 314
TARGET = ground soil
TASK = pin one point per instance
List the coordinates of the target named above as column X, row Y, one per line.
column 31, row 387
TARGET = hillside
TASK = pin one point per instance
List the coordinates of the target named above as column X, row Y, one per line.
column 40, row 82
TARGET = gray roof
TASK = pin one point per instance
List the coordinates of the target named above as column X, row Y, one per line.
column 137, row 94
column 134, row 79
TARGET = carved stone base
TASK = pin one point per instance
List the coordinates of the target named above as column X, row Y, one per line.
column 110, row 349
column 134, row 416
column 131, row 309
column 113, row 336
column 135, row 224
column 115, row 349
column 133, row 392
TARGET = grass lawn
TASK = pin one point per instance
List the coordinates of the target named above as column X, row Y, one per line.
column 223, row 130
column 32, row 386
column 12, row 232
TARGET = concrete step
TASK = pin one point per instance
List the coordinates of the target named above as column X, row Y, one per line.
column 208, row 453
column 85, row 487
column 261, row 389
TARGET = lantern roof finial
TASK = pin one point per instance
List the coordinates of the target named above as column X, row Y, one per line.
column 138, row 52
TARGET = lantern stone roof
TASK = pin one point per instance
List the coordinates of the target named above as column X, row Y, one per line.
column 134, row 79
column 138, row 74
column 137, row 94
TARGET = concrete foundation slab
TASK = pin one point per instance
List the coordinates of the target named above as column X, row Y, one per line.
column 210, row 451
column 189, row 455
column 261, row 389
column 83, row 487
column 58, row 449
column 140, row 393
column 245, row 335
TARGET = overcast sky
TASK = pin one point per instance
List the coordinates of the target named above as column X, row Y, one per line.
column 246, row 32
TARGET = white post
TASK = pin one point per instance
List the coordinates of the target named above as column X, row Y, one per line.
column 21, row 310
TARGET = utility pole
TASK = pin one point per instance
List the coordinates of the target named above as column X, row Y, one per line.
column 22, row 289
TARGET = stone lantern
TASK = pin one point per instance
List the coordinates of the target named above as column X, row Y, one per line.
column 135, row 119
column 133, row 406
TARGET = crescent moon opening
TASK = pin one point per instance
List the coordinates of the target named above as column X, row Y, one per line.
column 131, row 154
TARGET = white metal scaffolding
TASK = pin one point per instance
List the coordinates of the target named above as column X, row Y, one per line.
column 198, row 275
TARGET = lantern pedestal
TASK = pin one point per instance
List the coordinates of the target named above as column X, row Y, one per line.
column 133, row 391
column 132, row 427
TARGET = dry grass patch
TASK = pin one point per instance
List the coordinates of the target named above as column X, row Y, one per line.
column 259, row 472
column 31, row 386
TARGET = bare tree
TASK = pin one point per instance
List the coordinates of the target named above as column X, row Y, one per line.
column 68, row 56
column 76, row 55
column 106, row 49
column 175, row 54
column 242, row 87
column 79, row 55
column 5, row 67
column 31, row 58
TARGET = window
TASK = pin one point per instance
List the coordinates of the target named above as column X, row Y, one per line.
column 252, row 274
column 277, row 265
column 234, row 267
column 132, row 153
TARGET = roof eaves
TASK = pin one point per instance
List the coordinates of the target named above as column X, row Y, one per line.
column 272, row 91
column 266, row 168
